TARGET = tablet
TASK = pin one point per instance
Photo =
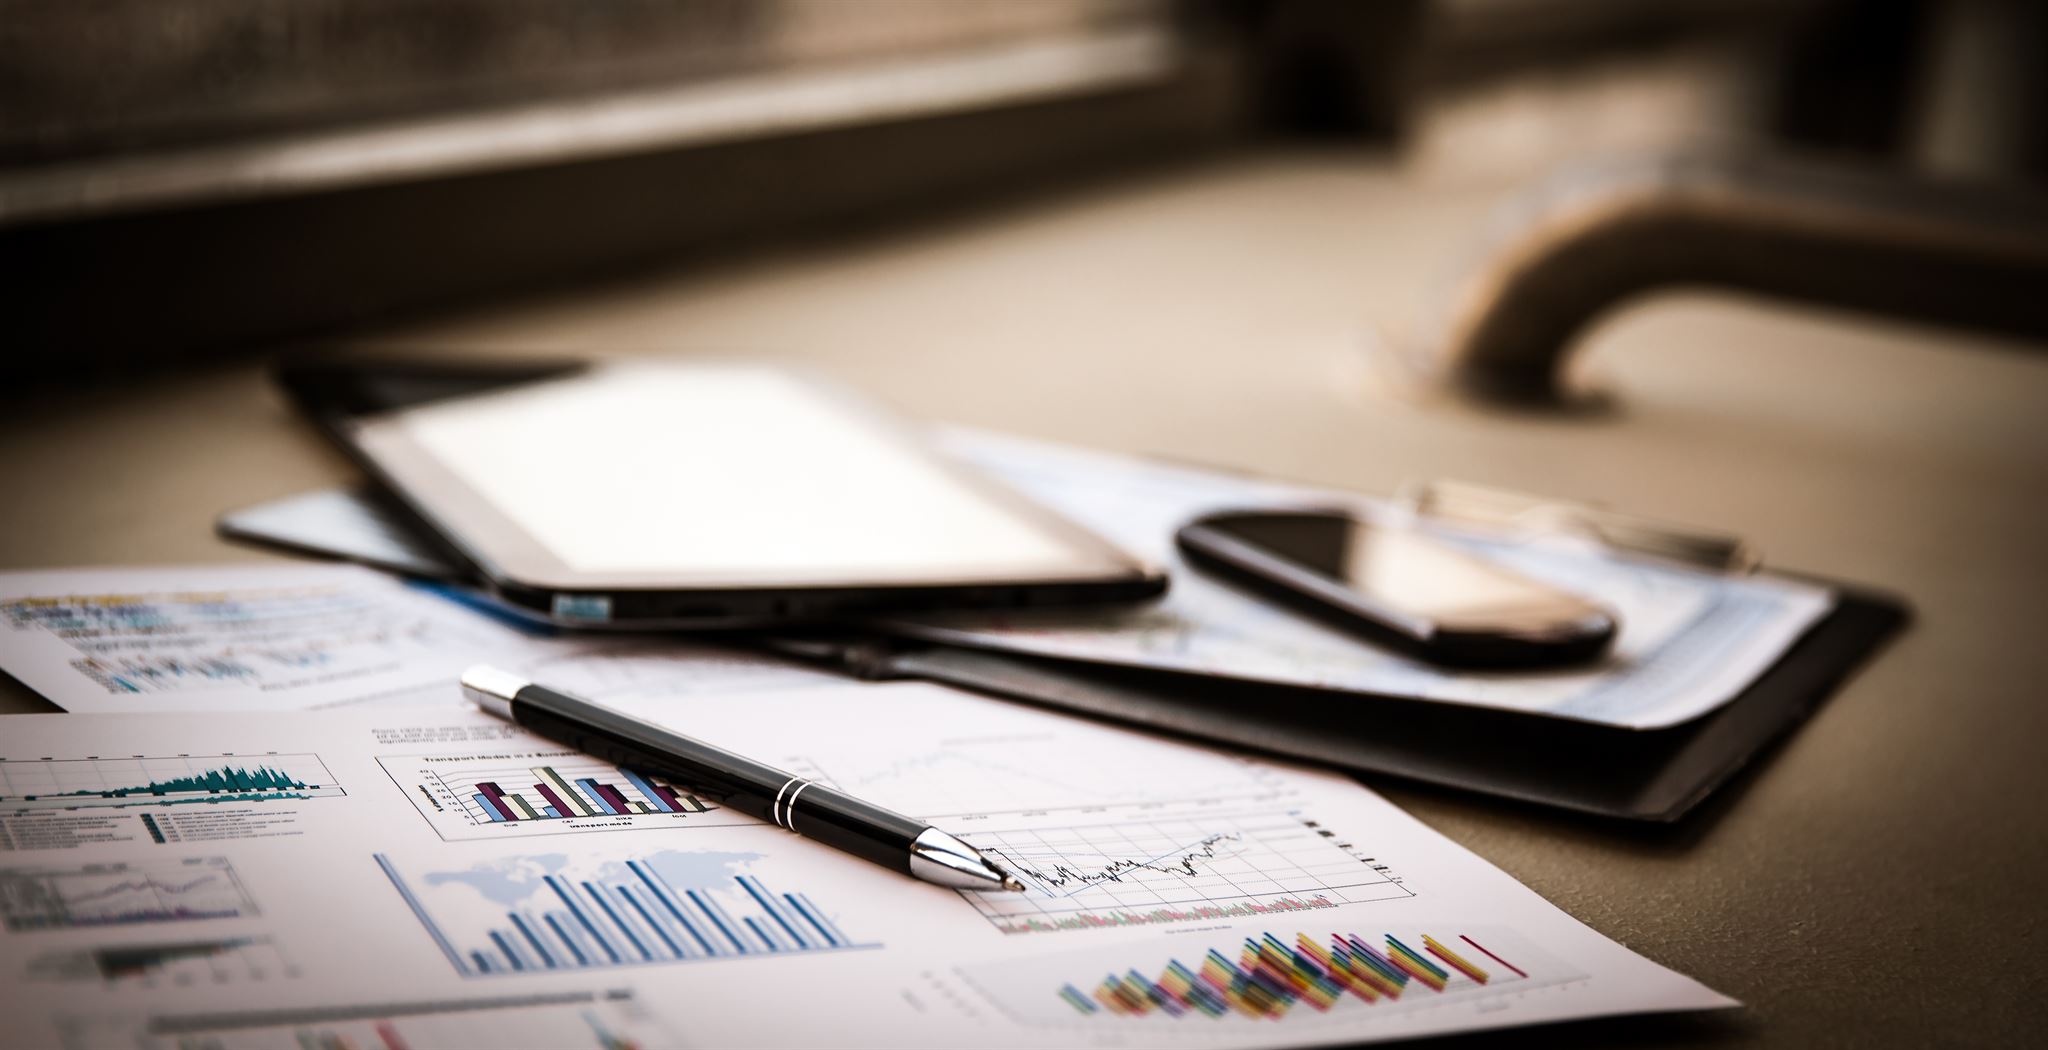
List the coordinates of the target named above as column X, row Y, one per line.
column 644, row 495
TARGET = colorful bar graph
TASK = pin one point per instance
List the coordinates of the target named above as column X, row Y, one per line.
column 563, row 792
column 556, row 794
column 494, row 801
column 1269, row 977
column 614, row 799
column 584, row 923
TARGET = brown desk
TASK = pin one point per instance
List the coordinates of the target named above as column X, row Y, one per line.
column 1878, row 880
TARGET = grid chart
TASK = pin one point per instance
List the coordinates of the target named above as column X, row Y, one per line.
column 628, row 913
column 545, row 793
column 561, row 790
column 1033, row 773
column 73, row 783
column 1185, row 869
column 117, row 894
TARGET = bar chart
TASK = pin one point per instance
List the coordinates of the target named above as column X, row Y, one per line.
column 1272, row 976
column 543, row 793
column 80, row 783
column 529, row 914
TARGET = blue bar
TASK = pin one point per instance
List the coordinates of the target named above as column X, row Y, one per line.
column 653, row 797
column 811, row 908
column 574, row 950
column 552, row 812
column 519, row 923
column 760, row 893
column 483, row 965
column 716, row 921
column 666, row 896
column 631, row 937
column 763, row 934
column 589, row 786
column 506, row 947
column 562, row 891
column 489, row 810
column 815, row 919
column 648, row 917
column 711, row 904
column 419, row 911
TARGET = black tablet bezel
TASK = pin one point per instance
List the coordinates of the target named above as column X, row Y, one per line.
column 349, row 399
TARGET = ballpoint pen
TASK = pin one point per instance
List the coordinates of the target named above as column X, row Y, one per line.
column 813, row 810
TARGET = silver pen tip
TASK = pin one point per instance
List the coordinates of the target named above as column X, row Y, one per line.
column 1010, row 883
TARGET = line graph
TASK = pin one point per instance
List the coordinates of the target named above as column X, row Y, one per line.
column 1209, row 866
column 44, row 898
column 1186, row 835
column 1061, row 876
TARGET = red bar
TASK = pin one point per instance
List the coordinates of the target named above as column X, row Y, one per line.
column 611, row 795
column 496, row 797
column 554, row 800
column 387, row 1033
column 1490, row 955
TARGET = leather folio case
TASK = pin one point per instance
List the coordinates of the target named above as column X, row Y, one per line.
column 1645, row 775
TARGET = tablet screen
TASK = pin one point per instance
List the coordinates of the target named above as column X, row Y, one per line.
column 711, row 476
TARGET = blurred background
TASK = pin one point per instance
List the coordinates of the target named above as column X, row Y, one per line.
column 191, row 178
column 1790, row 257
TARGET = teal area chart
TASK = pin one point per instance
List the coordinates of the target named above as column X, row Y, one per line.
column 83, row 783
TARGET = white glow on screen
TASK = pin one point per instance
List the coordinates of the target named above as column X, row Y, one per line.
column 725, row 473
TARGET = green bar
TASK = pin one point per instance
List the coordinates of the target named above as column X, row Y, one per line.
column 570, row 795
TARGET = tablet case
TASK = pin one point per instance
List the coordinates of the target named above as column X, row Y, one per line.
column 1647, row 775
column 1644, row 775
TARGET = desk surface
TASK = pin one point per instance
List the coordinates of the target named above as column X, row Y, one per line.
column 1877, row 880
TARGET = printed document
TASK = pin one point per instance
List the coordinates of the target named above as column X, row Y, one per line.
column 286, row 637
column 433, row 877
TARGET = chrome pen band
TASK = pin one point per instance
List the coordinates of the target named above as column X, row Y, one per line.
column 789, row 810
column 782, row 813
